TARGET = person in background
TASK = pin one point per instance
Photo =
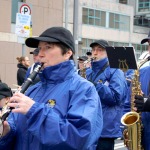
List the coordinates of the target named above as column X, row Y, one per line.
column 145, row 54
column 82, row 65
column 89, row 55
column 112, row 87
column 142, row 104
column 5, row 94
column 23, row 64
column 36, row 60
column 63, row 111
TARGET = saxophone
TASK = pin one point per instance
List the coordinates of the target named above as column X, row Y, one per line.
column 132, row 120
column 83, row 70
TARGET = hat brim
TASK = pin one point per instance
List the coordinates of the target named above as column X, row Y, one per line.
column 96, row 43
column 34, row 42
column 145, row 40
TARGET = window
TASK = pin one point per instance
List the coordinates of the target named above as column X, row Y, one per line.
column 14, row 9
column 143, row 5
column 141, row 21
column 94, row 17
column 120, row 22
column 123, row 1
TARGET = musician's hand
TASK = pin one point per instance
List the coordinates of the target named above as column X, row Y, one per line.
column 6, row 128
column 142, row 103
column 21, row 103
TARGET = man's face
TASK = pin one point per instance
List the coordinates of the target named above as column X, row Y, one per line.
column 81, row 64
column 50, row 54
column 36, row 58
column 98, row 52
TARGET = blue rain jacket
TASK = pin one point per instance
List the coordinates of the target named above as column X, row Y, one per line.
column 145, row 86
column 112, row 87
column 67, row 114
column 127, row 106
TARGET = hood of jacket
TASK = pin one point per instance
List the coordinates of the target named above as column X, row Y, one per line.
column 22, row 66
column 58, row 73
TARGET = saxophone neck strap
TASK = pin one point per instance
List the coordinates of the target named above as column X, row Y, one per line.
column 100, row 71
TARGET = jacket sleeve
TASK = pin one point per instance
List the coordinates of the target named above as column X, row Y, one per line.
column 7, row 141
column 80, row 128
column 113, row 92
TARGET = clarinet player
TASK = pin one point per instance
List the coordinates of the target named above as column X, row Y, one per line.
column 63, row 110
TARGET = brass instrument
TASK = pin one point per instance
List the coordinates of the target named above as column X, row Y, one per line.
column 83, row 71
column 132, row 120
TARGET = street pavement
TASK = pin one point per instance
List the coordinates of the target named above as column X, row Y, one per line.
column 119, row 145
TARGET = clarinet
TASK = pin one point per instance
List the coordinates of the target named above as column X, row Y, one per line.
column 24, row 87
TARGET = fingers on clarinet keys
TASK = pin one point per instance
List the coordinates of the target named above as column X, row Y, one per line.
column 139, row 103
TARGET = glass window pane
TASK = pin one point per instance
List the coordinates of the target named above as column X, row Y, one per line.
column 91, row 12
column 97, row 22
column 116, row 17
column 84, row 42
column 97, row 13
column 103, row 18
column 85, row 16
column 89, row 42
column 116, row 25
column 91, row 21
column 85, row 12
column 85, row 19
column 138, row 47
column 111, row 20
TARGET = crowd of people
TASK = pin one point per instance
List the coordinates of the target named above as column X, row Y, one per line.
column 68, row 108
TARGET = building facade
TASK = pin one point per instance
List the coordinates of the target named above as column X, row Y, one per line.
column 120, row 22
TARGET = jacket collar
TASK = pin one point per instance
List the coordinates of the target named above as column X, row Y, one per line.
column 98, row 65
column 58, row 73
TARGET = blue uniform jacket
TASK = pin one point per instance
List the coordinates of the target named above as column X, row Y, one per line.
column 145, row 86
column 112, row 87
column 67, row 114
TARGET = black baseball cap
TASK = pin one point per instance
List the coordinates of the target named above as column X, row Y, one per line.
column 5, row 91
column 102, row 43
column 146, row 39
column 54, row 35
column 82, row 58
column 88, row 53
column 35, row 52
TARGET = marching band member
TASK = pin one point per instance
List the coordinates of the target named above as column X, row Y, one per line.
column 63, row 111
column 111, row 87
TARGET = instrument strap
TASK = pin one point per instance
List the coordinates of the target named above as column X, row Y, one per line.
column 102, row 70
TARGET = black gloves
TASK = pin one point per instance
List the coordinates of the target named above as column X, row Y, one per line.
column 142, row 103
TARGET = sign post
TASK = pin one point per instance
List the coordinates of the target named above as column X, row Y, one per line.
column 23, row 24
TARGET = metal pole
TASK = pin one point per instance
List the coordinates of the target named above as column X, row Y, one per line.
column 66, row 13
column 75, row 28
column 23, row 49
